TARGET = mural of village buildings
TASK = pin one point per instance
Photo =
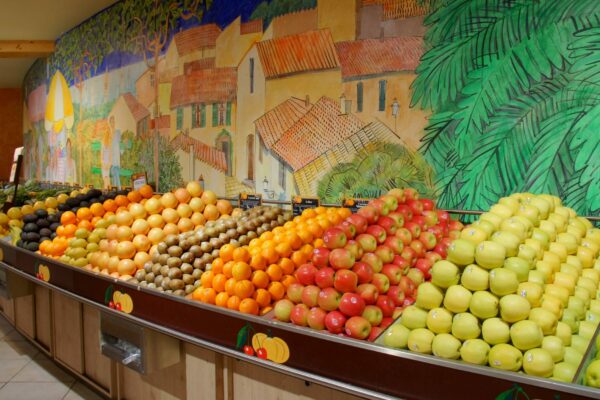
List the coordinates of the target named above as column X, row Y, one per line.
column 316, row 102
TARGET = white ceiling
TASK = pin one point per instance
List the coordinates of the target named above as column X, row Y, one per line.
column 39, row 20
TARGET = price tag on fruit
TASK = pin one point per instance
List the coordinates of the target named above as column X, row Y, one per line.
column 250, row 200
column 355, row 204
column 300, row 204
column 139, row 180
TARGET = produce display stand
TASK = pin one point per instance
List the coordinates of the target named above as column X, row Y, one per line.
column 354, row 367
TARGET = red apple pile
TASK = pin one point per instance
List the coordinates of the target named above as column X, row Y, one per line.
column 369, row 267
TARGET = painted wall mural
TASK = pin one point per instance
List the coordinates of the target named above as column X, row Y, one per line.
column 467, row 100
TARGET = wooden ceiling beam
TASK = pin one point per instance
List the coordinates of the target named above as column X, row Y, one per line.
column 26, row 48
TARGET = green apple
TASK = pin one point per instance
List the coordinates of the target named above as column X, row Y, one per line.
column 541, row 236
column 549, row 228
column 420, row 340
column 490, row 255
column 554, row 201
column 559, row 292
column 576, row 230
column 495, row 331
column 526, row 223
column 475, row 278
column 506, row 357
column 580, row 343
column 569, row 240
column 492, row 218
column 502, row 210
column 564, row 372
column 587, row 329
column 509, row 241
column 573, row 356
column 571, row 319
column 592, row 374
column 545, row 269
column 532, row 292
column 584, row 295
column 461, row 252
column 503, row 281
column 577, row 305
column 530, row 212
column 444, row 274
column 588, row 284
column 484, row 225
column 552, row 259
column 592, row 316
column 538, row 362
column 446, row 346
column 439, row 320
column 559, row 221
column 396, row 336
column 511, row 203
column 414, row 317
column 560, row 250
column 475, row 351
column 514, row 308
column 537, row 246
column 474, row 234
column 542, row 205
column 554, row 345
column 553, row 304
column 484, row 305
column 519, row 266
column 545, row 319
column 527, row 253
column 514, row 226
column 429, row 296
column 465, row 326
column 591, row 274
column 457, row 299
column 575, row 261
column 595, row 306
column 571, row 270
column 526, row 335
column 537, row 277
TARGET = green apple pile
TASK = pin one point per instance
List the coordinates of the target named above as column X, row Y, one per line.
column 517, row 292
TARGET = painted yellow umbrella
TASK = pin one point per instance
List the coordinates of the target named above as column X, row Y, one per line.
column 59, row 108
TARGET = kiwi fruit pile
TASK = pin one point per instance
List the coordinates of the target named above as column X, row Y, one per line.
column 181, row 259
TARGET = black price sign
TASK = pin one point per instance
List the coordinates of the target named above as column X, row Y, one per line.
column 250, row 200
column 355, row 204
column 300, row 204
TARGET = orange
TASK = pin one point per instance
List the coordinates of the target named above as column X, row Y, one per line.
column 121, row 201
column 85, row 224
column 97, row 209
column 320, row 210
column 270, row 255
column 287, row 280
column 289, row 225
column 334, row 218
column 230, row 286
column 277, row 290
column 269, row 243
column 318, row 243
column 307, row 249
column 146, row 191
column 233, row 303
column 274, row 271
column 110, row 205
column 208, row 295
column 228, row 268
column 257, row 262
column 244, row 289
column 305, row 235
column 221, row 299
column 267, row 235
column 197, row 294
column 70, row 230
column 249, row 306
column 344, row 212
column 294, row 240
column 299, row 258
column 122, row 208
column 95, row 220
column 134, row 196
column 309, row 213
column 262, row 297
column 283, row 249
column 206, row 279
column 241, row 254
column 260, row 279
column 255, row 242
column 217, row 266
column 265, row 310
column 315, row 229
column 278, row 230
column 241, row 271
column 287, row 266
column 254, row 250
column 84, row 213
column 297, row 219
column 218, row 282
column 68, row 217
column 226, row 252
column 60, row 231
column 323, row 222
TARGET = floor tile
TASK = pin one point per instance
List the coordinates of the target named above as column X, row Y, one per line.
column 34, row 391
column 79, row 391
column 42, row 370
column 16, row 350
column 9, row 368
column 14, row 336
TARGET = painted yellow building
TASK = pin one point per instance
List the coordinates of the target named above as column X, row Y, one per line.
column 339, row 16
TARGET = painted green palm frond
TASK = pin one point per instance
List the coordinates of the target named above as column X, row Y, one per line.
column 438, row 141
column 324, row 190
column 373, row 166
column 585, row 49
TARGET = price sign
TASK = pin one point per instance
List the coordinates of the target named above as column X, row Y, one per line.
column 300, row 204
column 250, row 200
column 139, row 180
column 355, row 204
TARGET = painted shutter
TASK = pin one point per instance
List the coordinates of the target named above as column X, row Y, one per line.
column 215, row 115
column 228, row 115
column 359, row 97
column 382, row 87
column 202, row 115
column 194, row 112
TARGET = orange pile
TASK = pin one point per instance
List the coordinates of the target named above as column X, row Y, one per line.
column 251, row 278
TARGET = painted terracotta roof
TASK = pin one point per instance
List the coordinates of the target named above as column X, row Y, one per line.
column 273, row 124
column 254, row 26
column 36, row 104
column 308, row 51
column 202, row 151
column 396, row 9
column 320, row 129
column 163, row 124
column 377, row 56
column 137, row 109
column 212, row 85
column 197, row 65
column 197, row 38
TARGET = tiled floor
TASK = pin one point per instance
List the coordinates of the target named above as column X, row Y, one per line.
column 27, row 374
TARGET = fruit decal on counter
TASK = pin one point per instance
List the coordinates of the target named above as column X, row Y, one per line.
column 118, row 300
column 518, row 292
column 367, row 266
column 262, row 345
column 42, row 272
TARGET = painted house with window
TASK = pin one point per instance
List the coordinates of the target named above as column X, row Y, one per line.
column 130, row 115
column 377, row 74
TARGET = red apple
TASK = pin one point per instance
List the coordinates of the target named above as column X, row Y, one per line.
column 384, row 253
column 354, row 248
column 443, row 216
column 357, row 328
column 360, row 222
column 407, row 286
column 453, row 235
column 341, row 259
column 381, row 206
column 428, row 204
column 345, row 281
column 373, row 314
column 320, row 257
column 335, row 321
column 329, row 299
column 324, row 277
column 389, row 224
column 375, row 332
column 437, row 231
column 441, row 250
column 352, row 304
column 411, row 194
column 334, row 238
column 397, row 295
column 386, row 322
column 370, row 213
column 405, row 211
column 432, row 256
column 391, row 201
column 367, row 242
column 393, row 272
column 377, row 232
column 404, row 235
column 294, row 292
column 316, row 318
column 299, row 315
column 363, row 271
column 368, row 292
column 398, row 194
column 402, row 263
column 386, row 304
column 415, row 206
column 416, row 275
column 424, row 265
column 348, row 229
column 283, row 310
column 446, row 242
column 420, row 220
column 409, row 301
column 381, row 282
column 398, row 217
column 305, row 274
column 418, row 247
column 428, row 239
column 394, row 243
column 455, row 225
column 414, row 228
column 431, row 217
column 409, row 254
column 310, row 295
column 373, row 260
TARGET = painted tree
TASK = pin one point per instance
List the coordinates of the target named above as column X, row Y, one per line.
column 514, row 87
column 267, row 10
